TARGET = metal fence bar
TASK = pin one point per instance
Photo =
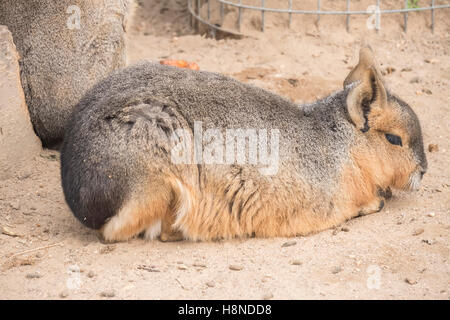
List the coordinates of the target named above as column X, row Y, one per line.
column 239, row 16
column 195, row 11
column 209, row 9
column 347, row 22
column 405, row 17
column 212, row 26
column 262, row 14
column 221, row 12
column 377, row 17
column 318, row 11
column 197, row 25
column 290, row 14
column 432, row 15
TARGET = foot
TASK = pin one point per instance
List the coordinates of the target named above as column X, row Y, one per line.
column 375, row 206
column 102, row 239
column 386, row 193
column 171, row 236
column 168, row 232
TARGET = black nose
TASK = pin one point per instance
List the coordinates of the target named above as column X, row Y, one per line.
column 422, row 173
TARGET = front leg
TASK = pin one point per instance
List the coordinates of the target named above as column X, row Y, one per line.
column 386, row 193
column 377, row 204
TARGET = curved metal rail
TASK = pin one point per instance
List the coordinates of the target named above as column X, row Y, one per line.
column 377, row 11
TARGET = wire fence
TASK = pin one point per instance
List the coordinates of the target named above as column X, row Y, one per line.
column 195, row 8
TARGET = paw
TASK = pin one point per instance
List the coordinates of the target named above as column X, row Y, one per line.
column 102, row 240
column 171, row 236
column 386, row 193
column 373, row 207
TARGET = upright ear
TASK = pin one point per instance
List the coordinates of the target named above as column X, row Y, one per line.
column 368, row 96
column 366, row 60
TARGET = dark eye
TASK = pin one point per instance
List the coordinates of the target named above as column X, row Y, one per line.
column 393, row 139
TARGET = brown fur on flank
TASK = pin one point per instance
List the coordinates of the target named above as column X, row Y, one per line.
column 338, row 157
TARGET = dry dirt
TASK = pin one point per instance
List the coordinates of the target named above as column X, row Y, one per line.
column 401, row 252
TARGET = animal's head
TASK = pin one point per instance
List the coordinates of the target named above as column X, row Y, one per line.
column 390, row 127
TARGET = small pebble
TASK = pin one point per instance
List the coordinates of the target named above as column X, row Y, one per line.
column 431, row 60
column 410, row 281
column 91, row 274
column 336, row 270
column 431, row 214
column 74, row 268
column 345, row 229
column 296, row 262
column 293, row 82
column 418, row 231
column 108, row 294
column 182, row 267
column 388, row 70
column 415, row 80
column 64, row 294
column 429, row 241
column 199, row 265
column 236, row 267
column 148, row 268
column 107, row 249
column 24, row 176
column 267, row 296
column 211, row 284
column 33, row 275
column 289, row 244
column 432, row 147
column 15, row 205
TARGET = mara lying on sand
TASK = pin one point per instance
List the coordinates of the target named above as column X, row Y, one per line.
column 334, row 159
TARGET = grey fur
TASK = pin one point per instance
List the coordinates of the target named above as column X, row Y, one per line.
column 59, row 64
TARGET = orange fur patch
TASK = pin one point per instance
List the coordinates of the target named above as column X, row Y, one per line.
column 138, row 214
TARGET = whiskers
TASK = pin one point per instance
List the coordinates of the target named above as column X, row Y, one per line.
column 414, row 181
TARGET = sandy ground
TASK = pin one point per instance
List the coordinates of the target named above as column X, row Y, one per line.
column 401, row 252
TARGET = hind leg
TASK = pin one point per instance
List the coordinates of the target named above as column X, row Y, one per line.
column 181, row 205
column 168, row 232
column 143, row 212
